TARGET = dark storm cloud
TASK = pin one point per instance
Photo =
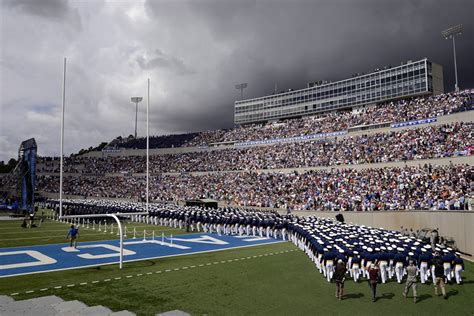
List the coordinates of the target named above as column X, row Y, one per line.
column 290, row 43
column 49, row 9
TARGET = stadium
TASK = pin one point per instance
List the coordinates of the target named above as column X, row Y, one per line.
column 344, row 196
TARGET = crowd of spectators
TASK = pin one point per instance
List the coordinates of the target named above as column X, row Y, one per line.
column 162, row 141
column 397, row 111
column 424, row 187
column 422, row 143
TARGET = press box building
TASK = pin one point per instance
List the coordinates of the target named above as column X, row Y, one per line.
column 414, row 78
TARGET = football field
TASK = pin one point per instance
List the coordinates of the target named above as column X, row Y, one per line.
column 260, row 279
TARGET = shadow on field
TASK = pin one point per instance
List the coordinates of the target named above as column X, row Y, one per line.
column 353, row 295
column 387, row 296
column 452, row 293
column 467, row 282
column 423, row 297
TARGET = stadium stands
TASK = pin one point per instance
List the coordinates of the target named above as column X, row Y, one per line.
column 429, row 142
column 424, row 187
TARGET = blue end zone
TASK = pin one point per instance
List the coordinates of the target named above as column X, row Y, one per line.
column 55, row 257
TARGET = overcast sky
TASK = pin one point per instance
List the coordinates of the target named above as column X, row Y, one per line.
column 194, row 52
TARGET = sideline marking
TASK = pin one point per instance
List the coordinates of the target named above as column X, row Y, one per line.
column 192, row 240
column 159, row 271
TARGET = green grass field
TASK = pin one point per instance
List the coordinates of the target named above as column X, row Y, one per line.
column 275, row 279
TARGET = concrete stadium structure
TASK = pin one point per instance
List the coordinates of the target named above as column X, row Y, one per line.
column 410, row 79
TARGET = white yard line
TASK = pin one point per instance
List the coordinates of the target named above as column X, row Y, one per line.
column 159, row 271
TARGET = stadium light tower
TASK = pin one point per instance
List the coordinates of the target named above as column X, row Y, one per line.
column 448, row 34
column 136, row 100
column 241, row 87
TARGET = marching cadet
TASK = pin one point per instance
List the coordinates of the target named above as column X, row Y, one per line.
column 447, row 259
column 458, row 267
column 399, row 261
column 355, row 266
column 383, row 264
column 369, row 260
column 391, row 266
column 350, row 255
column 424, row 265
column 328, row 263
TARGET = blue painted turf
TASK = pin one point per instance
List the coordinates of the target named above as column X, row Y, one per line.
column 47, row 258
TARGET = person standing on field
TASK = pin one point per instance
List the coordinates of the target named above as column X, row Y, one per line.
column 373, row 279
column 72, row 235
column 439, row 277
column 411, row 280
column 340, row 277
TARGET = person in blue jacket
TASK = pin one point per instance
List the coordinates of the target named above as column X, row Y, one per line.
column 72, row 236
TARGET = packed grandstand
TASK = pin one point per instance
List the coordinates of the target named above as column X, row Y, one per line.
column 284, row 165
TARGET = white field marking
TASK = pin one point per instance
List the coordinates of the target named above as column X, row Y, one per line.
column 142, row 259
column 70, row 285
column 201, row 265
column 45, row 289
column 48, row 237
column 159, row 271
column 129, row 276
column 230, row 260
column 28, row 292
column 139, row 274
column 41, row 259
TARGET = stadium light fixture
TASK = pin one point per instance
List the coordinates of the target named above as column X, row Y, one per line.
column 62, row 142
column 241, row 87
column 451, row 34
column 136, row 100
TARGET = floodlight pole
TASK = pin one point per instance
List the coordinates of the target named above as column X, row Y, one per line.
column 136, row 118
column 456, row 87
column 62, row 143
column 451, row 33
column 241, row 87
column 147, row 145
column 136, row 100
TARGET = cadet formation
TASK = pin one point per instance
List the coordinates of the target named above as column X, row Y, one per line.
column 363, row 251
